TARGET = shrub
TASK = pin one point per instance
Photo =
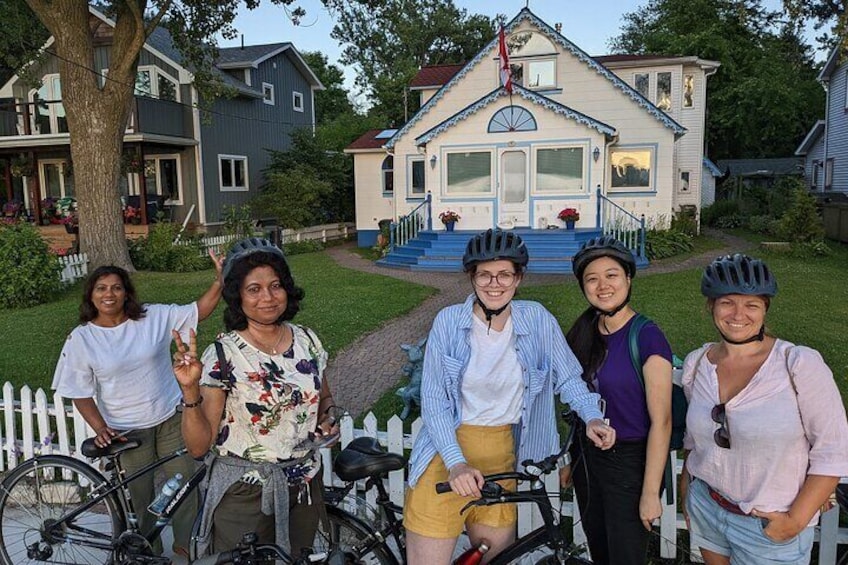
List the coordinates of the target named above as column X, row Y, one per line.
column 29, row 273
column 660, row 244
column 761, row 224
column 801, row 221
column 157, row 251
column 807, row 249
column 684, row 220
column 238, row 222
column 718, row 209
column 781, row 196
column 298, row 247
column 731, row 221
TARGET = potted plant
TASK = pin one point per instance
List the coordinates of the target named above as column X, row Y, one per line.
column 569, row 216
column 449, row 218
column 71, row 222
column 21, row 167
column 132, row 215
column 131, row 163
column 48, row 211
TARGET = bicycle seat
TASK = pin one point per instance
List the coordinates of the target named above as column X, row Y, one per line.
column 93, row 452
column 365, row 457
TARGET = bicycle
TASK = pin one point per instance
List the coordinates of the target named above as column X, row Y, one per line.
column 364, row 458
column 58, row 509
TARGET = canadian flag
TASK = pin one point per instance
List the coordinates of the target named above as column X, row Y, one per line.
column 506, row 75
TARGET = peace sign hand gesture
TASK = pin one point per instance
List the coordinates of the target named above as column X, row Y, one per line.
column 187, row 367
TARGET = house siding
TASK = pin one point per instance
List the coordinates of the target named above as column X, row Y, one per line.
column 813, row 159
column 371, row 205
column 247, row 126
column 837, row 129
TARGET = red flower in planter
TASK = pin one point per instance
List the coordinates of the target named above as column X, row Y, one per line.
column 569, row 215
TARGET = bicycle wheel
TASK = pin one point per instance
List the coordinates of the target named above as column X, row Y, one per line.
column 347, row 531
column 533, row 550
column 35, row 497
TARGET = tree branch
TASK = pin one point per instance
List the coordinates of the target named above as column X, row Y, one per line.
column 157, row 18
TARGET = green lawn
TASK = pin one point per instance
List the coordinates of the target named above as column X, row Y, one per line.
column 340, row 305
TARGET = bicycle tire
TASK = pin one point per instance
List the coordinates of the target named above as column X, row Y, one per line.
column 41, row 491
column 346, row 530
column 531, row 550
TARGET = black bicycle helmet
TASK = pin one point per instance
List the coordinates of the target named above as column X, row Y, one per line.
column 245, row 247
column 603, row 246
column 737, row 274
column 493, row 245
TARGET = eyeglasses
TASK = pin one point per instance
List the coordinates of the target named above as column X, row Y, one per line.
column 504, row 278
column 722, row 434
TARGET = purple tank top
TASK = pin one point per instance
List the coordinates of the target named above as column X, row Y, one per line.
column 619, row 384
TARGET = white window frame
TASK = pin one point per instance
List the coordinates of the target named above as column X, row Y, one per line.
column 53, row 116
column 525, row 69
column 268, row 93
column 683, row 92
column 656, row 82
column 646, row 95
column 158, row 192
column 652, row 180
column 155, row 72
column 410, row 192
column 383, row 176
column 688, row 182
column 492, row 175
column 814, row 177
column 584, row 182
column 828, row 174
column 42, row 176
column 232, row 159
column 297, row 107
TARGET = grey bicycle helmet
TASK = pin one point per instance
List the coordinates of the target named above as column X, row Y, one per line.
column 737, row 274
column 493, row 245
column 245, row 247
column 603, row 246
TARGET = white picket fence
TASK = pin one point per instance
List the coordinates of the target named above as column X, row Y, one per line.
column 75, row 266
column 30, row 427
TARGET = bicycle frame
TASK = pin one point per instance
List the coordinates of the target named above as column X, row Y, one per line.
column 125, row 500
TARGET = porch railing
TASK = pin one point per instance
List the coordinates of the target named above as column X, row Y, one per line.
column 409, row 226
column 614, row 220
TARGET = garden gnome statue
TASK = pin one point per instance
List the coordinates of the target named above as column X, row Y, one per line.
column 413, row 369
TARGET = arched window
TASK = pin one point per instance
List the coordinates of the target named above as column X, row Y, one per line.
column 512, row 118
column 388, row 168
column 528, row 44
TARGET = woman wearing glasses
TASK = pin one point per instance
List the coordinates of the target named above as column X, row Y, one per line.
column 491, row 370
column 766, row 436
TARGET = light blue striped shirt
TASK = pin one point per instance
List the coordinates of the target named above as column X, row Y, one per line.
column 547, row 365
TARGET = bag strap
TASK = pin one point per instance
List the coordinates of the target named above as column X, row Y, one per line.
column 223, row 367
column 639, row 322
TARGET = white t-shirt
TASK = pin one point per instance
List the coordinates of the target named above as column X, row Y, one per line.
column 126, row 369
column 492, row 385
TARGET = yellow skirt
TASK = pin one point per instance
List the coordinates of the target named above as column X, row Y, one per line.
column 489, row 449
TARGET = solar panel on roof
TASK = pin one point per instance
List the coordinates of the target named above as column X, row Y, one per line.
column 385, row 134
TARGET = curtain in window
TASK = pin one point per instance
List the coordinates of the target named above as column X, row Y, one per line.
column 559, row 169
column 469, row 172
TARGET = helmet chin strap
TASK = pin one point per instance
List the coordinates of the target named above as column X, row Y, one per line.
column 616, row 310
column 489, row 312
column 759, row 336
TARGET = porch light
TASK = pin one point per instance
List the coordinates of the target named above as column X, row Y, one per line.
column 596, row 154
column 433, row 160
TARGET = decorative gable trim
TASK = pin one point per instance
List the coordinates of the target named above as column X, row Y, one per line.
column 528, row 95
column 526, row 14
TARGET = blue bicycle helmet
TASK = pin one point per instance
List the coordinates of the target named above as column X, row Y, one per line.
column 493, row 245
column 245, row 247
column 603, row 246
column 737, row 274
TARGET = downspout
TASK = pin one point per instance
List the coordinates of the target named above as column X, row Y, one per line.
column 826, row 85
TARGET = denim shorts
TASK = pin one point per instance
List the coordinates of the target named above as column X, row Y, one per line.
column 740, row 537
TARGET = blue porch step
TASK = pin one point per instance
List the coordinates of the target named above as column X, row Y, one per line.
column 550, row 250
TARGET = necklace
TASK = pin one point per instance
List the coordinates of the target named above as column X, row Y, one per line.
column 273, row 348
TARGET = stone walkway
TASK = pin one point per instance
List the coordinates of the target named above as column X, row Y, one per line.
column 371, row 365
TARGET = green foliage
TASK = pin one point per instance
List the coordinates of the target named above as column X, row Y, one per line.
column 660, row 244
column 390, row 40
column 333, row 101
column 807, row 249
column 730, row 221
column 764, row 96
column 299, row 247
column 308, row 184
column 157, row 251
column 29, row 273
column 801, row 222
column 720, row 208
column 685, row 220
column 762, row 224
column 238, row 222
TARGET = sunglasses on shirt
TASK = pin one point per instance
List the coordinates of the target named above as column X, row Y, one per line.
column 722, row 435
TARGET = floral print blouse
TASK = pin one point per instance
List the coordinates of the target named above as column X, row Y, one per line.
column 272, row 400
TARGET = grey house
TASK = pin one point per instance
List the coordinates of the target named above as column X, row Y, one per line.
column 825, row 148
column 175, row 160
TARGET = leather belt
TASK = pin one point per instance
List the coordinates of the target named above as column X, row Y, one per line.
column 731, row 507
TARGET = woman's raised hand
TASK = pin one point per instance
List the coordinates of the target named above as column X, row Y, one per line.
column 218, row 261
column 187, row 367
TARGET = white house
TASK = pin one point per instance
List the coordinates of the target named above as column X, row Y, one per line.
column 629, row 127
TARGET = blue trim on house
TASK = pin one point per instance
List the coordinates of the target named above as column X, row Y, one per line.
column 712, row 167
column 388, row 194
column 528, row 95
column 581, row 55
column 612, row 193
column 562, row 196
column 366, row 238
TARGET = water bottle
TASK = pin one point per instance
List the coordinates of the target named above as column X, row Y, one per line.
column 472, row 556
column 166, row 495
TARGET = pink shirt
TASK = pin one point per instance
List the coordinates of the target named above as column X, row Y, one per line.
column 770, row 454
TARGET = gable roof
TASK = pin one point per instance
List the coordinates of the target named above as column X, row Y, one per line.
column 812, row 136
column 830, row 65
column 712, row 167
column 553, row 35
column 370, row 140
column 251, row 56
column 434, row 75
column 528, row 95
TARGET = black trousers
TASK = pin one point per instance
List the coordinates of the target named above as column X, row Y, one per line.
column 608, row 489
